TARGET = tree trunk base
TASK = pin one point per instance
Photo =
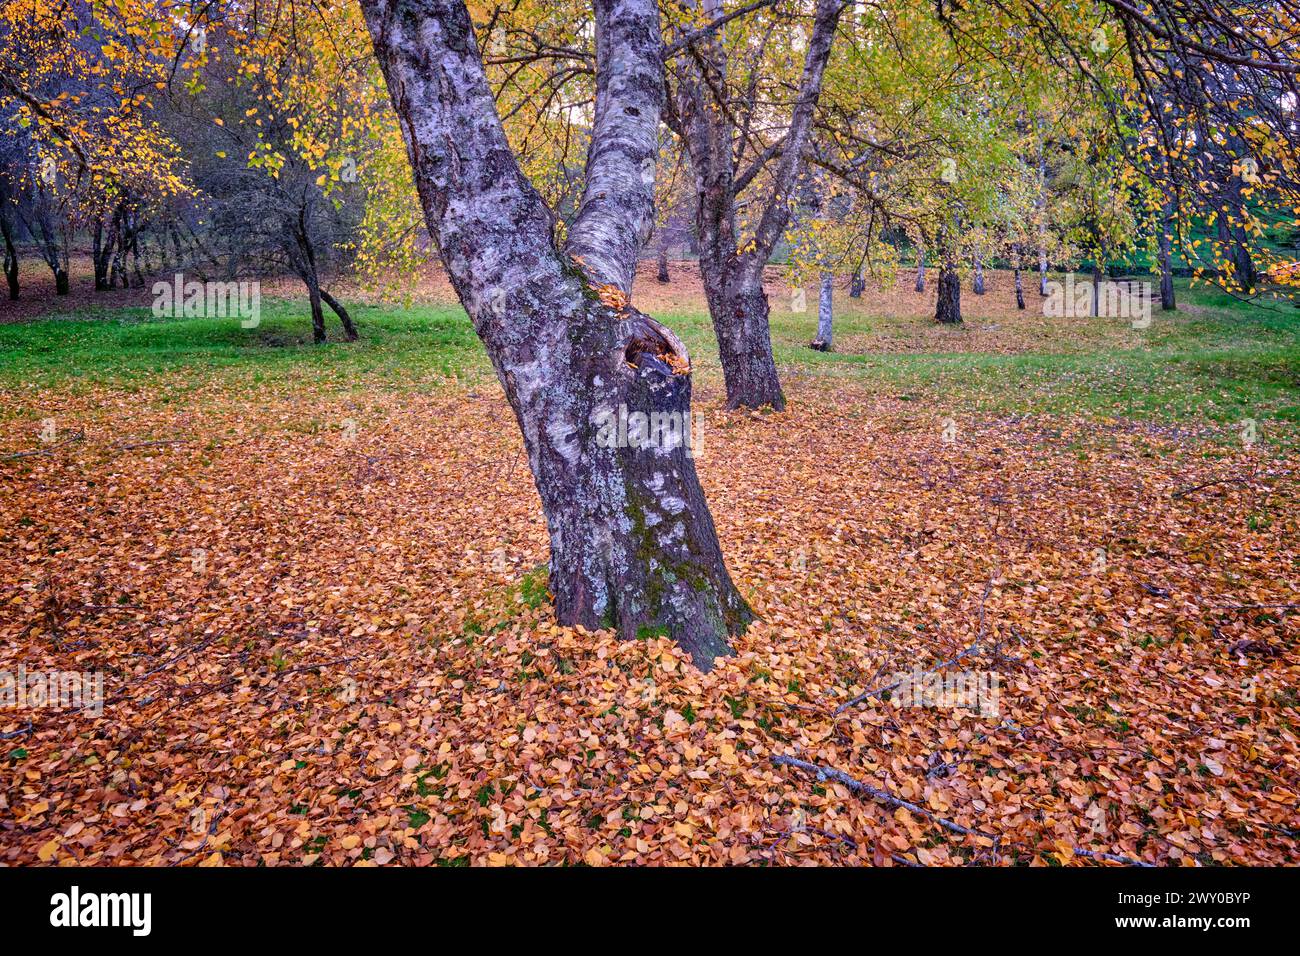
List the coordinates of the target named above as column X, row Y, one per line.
column 745, row 348
column 948, row 305
column 633, row 545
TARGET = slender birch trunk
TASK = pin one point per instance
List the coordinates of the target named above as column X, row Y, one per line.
column 825, row 314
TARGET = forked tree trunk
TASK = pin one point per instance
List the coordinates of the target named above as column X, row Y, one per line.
column 55, row 256
column 825, row 314
column 733, row 280
column 349, row 329
column 632, row 543
column 948, row 306
column 303, row 255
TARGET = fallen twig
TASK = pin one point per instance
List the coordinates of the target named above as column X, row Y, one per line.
column 857, row 786
column 880, row 690
column 1112, row 857
column 49, row 448
column 120, row 446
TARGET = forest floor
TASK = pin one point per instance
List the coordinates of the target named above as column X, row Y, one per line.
column 313, row 579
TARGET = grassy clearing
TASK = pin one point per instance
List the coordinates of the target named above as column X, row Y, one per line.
column 1218, row 360
column 125, row 346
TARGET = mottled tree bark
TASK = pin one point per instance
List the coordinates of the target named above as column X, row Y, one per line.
column 977, row 277
column 856, row 284
column 633, row 545
column 663, row 267
column 1042, row 273
column 948, row 305
column 1020, row 289
column 920, row 269
column 733, row 280
column 825, row 314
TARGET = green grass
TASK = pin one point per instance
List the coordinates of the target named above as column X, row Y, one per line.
column 123, row 346
column 1219, row 360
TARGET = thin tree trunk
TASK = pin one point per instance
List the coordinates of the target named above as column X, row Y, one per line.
column 11, row 251
column 1042, row 273
column 1020, row 289
column 349, row 329
column 856, row 285
column 98, row 257
column 1168, row 302
column 1244, row 276
column 920, row 269
column 663, row 267
column 54, row 257
column 306, row 262
column 948, row 306
column 317, row 314
column 633, row 545
column 977, row 281
column 121, row 232
column 825, row 314
column 1096, row 289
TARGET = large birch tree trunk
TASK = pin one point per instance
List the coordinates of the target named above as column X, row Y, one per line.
column 633, row 545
